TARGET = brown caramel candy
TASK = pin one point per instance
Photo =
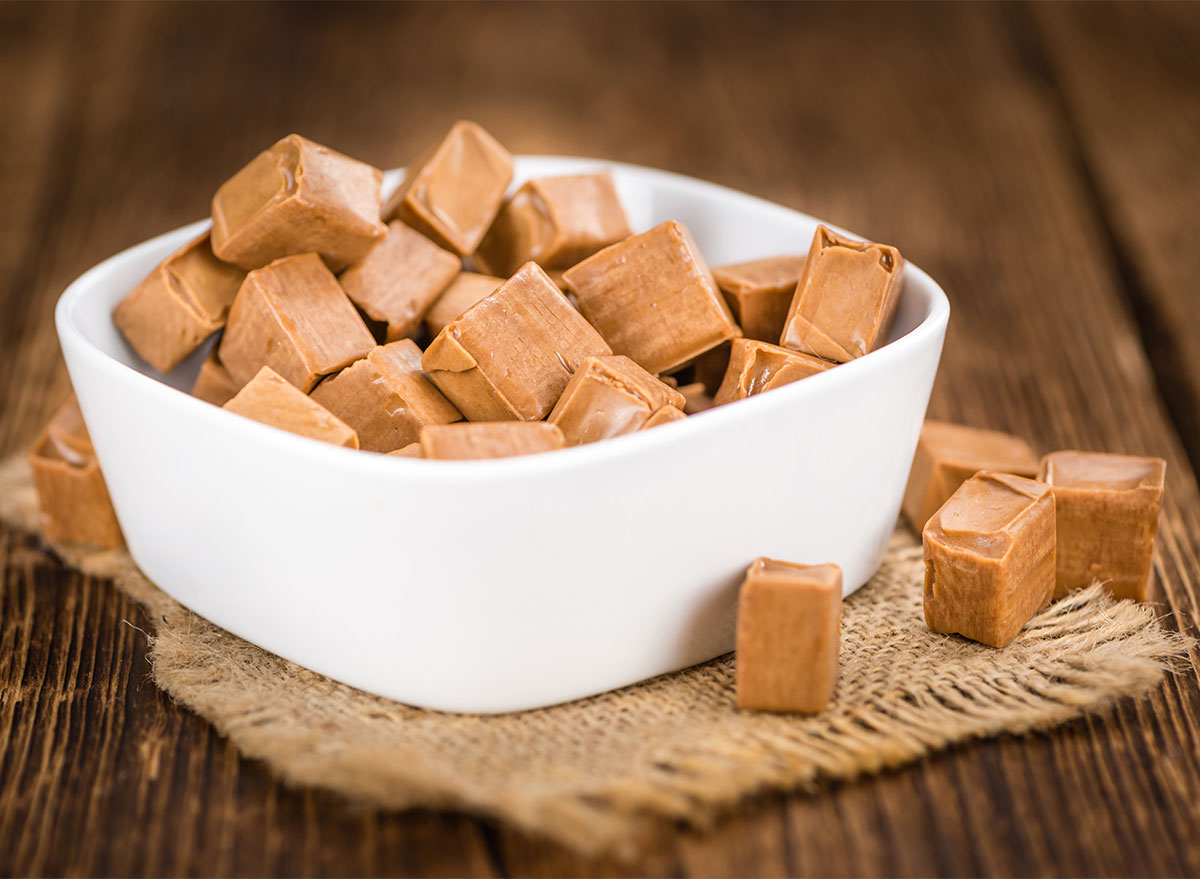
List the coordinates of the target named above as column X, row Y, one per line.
column 180, row 304
column 554, row 222
column 412, row 450
column 760, row 292
column 653, row 299
column 397, row 281
column 497, row 439
column 386, row 397
column 664, row 415
column 510, row 356
column 463, row 292
column 756, row 366
column 72, row 496
column 298, row 197
column 1107, row 513
column 696, row 398
column 293, row 317
column 789, row 632
column 269, row 398
column 213, row 382
column 950, row 454
column 846, row 299
column 607, row 397
column 452, row 194
column 989, row 558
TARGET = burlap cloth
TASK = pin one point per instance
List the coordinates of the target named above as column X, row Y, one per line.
column 593, row 774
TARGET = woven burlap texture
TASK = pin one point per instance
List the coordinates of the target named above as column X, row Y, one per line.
column 590, row 774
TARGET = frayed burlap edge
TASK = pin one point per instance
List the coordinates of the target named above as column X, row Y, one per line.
column 590, row 774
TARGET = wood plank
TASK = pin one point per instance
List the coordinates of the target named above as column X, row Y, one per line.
column 933, row 128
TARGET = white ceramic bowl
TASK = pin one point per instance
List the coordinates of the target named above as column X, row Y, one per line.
column 490, row 586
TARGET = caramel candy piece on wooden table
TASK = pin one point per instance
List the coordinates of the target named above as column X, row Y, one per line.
column 510, row 356
column 789, row 632
column 664, row 415
column 607, row 397
column 463, row 292
column 1107, row 518
column 293, row 317
column 760, row 292
column 399, row 279
column 949, row 454
column 213, row 382
column 269, row 398
column 496, row 439
column 178, row 305
column 846, row 299
column 989, row 558
column 72, row 497
column 412, row 450
column 555, row 222
column 298, row 197
column 653, row 298
column 756, row 366
column 453, row 192
column 386, row 397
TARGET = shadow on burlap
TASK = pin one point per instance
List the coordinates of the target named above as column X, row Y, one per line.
column 590, row 774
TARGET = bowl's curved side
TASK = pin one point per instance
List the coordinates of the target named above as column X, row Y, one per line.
column 503, row 585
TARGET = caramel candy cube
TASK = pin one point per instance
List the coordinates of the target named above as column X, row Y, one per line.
column 463, row 292
column 607, row 397
column 760, row 292
column 298, row 197
column 213, row 382
column 510, row 356
column 72, row 496
column 653, row 299
column 496, row 439
column 846, row 299
column 397, row 281
column 696, row 398
column 664, row 415
column 756, row 366
column 1107, row 518
column 452, row 193
column 180, row 304
column 989, row 558
column 554, row 222
column 949, row 454
column 269, row 398
column 789, row 631
column 412, row 450
column 386, row 397
column 293, row 317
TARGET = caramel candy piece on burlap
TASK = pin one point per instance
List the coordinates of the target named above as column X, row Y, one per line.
column 412, row 450
column 463, row 292
column 293, row 317
column 989, row 558
column 386, row 397
column 653, row 299
column 178, row 305
column 72, row 496
column 554, row 222
column 846, row 299
column 696, row 398
column 510, row 356
column 269, row 398
column 789, row 632
column 949, row 454
column 399, row 279
column 213, row 382
column 756, row 366
column 607, row 397
column 496, row 439
column 1106, row 508
column 760, row 292
column 664, row 415
column 298, row 197
column 453, row 192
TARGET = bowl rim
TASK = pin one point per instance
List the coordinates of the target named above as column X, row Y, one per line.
column 318, row 453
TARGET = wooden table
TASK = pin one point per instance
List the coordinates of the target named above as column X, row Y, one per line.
column 1040, row 161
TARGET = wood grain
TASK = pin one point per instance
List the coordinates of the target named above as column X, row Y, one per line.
column 985, row 141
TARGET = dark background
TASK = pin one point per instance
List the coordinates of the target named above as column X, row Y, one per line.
column 1041, row 161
